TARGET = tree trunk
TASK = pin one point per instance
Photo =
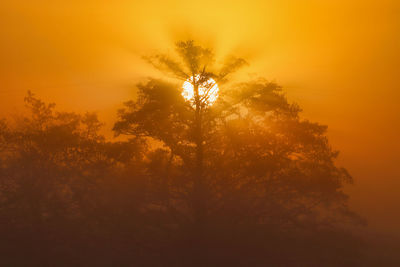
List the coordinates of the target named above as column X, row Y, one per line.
column 199, row 192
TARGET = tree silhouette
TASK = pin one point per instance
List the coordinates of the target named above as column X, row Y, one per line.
column 194, row 67
column 246, row 162
column 61, row 181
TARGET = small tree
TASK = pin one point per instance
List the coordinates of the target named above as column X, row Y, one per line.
column 61, row 180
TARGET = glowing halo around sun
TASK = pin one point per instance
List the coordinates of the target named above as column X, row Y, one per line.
column 208, row 91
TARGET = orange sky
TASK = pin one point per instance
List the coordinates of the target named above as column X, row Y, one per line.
column 340, row 60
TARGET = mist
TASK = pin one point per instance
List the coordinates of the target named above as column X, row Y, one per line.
column 338, row 60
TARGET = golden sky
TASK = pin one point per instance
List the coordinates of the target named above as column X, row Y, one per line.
column 339, row 59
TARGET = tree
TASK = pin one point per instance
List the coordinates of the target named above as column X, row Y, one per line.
column 245, row 162
column 62, row 186
column 194, row 67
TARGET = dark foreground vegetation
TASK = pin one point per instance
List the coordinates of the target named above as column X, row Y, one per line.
column 69, row 197
column 253, row 185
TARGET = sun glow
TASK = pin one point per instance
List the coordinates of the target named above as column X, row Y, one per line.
column 208, row 91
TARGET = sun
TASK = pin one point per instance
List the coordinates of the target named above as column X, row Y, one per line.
column 208, row 91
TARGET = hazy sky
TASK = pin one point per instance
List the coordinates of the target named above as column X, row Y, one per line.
column 339, row 59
